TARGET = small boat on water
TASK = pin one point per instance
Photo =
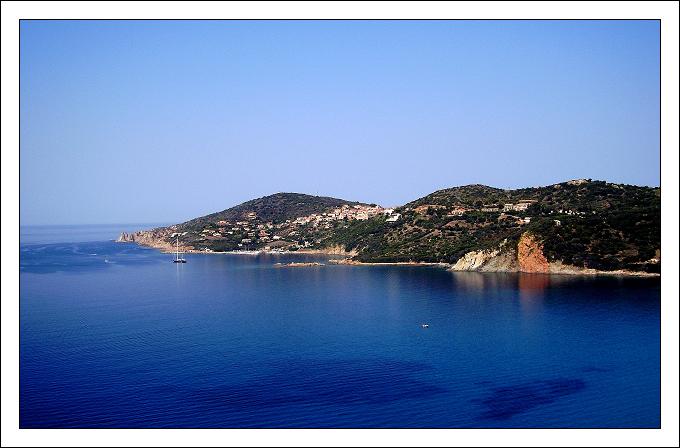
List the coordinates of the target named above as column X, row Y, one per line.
column 425, row 325
column 178, row 259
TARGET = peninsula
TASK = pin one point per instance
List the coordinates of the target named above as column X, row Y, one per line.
column 577, row 227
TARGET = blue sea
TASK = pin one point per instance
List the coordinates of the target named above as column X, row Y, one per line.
column 114, row 335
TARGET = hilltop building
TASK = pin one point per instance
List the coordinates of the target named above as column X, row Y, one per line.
column 520, row 206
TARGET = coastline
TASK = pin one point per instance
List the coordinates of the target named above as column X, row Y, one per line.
column 242, row 252
column 350, row 262
column 450, row 267
column 563, row 271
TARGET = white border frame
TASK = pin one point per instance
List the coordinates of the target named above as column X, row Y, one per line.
column 13, row 11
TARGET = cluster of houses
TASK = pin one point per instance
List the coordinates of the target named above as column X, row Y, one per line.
column 348, row 212
column 520, row 206
column 361, row 212
column 265, row 232
column 250, row 231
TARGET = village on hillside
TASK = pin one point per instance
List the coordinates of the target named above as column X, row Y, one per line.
column 584, row 223
column 251, row 233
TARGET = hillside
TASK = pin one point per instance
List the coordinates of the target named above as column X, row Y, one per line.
column 275, row 208
column 568, row 227
column 583, row 223
column 275, row 222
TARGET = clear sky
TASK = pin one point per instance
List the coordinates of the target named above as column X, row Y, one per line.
column 164, row 121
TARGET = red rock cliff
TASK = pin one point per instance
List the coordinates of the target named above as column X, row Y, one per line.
column 530, row 255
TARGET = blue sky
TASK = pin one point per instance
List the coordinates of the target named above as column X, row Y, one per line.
column 164, row 121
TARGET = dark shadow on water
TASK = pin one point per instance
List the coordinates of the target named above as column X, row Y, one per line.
column 320, row 382
column 592, row 369
column 507, row 401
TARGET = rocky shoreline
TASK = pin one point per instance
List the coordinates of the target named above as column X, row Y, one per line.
column 298, row 264
column 526, row 257
column 556, row 270
column 349, row 261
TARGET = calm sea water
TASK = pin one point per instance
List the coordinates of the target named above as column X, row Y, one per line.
column 115, row 335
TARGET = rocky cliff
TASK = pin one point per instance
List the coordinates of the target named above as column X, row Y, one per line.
column 530, row 257
column 156, row 238
column 501, row 259
column 527, row 256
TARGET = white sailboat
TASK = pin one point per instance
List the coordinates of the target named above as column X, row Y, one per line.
column 178, row 259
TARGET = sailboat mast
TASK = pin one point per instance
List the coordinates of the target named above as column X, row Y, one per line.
column 178, row 259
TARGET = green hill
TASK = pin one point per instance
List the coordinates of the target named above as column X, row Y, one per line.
column 591, row 224
column 581, row 223
column 266, row 222
column 274, row 208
